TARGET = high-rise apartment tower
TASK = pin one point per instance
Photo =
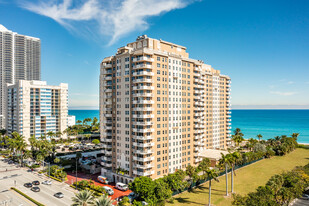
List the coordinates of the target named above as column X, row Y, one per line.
column 20, row 59
column 159, row 109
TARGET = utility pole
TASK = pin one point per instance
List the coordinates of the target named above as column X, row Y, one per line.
column 49, row 168
column 76, row 172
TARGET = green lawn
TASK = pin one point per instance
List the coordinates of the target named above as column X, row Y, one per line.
column 247, row 179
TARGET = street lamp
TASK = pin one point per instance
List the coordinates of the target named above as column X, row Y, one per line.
column 76, row 172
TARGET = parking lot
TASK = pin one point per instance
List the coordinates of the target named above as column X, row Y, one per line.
column 82, row 176
column 12, row 176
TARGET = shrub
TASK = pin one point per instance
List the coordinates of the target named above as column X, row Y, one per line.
column 259, row 148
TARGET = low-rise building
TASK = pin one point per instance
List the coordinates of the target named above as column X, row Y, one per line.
column 71, row 120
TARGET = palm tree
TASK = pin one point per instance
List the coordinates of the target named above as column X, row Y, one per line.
column 103, row 200
column 87, row 136
column 226, row 162
column 212, row 174
column 192, row 173
column 295, row 136
column 204, row 165
column 233, row 159
column 83, row 198
column 237, row 139
column 238, row 132
column 259, row 136
column 50, row 134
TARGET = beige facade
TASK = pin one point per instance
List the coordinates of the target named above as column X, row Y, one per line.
column 159, row 109
column 35, row 108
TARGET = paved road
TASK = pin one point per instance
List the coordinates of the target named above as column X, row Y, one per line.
column 301, row 202
column 16, row 177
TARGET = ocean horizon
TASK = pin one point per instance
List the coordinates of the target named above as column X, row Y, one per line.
column 268, row 122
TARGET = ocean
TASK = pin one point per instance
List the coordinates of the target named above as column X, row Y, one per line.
column 269, row 123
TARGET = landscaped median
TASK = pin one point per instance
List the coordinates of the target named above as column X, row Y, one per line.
column 26, row 196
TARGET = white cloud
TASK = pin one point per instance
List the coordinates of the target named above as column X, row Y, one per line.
column 290, row 82
column 283, row 93
column 113, row 18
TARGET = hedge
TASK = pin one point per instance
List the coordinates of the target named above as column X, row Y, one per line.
column 54, row 178
column 26, row 196
column 95, row 193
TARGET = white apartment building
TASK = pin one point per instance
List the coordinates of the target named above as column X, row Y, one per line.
column 159, row 109
column 35, row 108
column 71, row 120
column 20, row 59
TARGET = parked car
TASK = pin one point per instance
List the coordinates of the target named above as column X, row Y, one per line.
column 47, row 182
column 121, row 186
column 59, row 195
column 29, row 184
column 36, row 182
column 108, row 190
column 305, row 197
column 132, row 196
column 35, row 189
column 102, row 179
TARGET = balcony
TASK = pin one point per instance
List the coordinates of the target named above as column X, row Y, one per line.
column 107, row 65
column 143, row 152
column 149, row 137
column 143, row 73
column 108, row 78
column 143, row 109
column 107, row 134
column 145, row 166
column 143, row 88
column 107, row 109
column 107, row 140
column 143, row 159
column 107, row 127
column 142, row 80
column 107, row 90
column 146, row 130
column 142, row 66
column 138, row 59
column 143, row 116
column 105, row 164
column 107, row 121
column 147, row 173
column 143, row 123
column 143, row 95
column 143, row 102
column 149, row 144
column 107, row 115
column 107, row 95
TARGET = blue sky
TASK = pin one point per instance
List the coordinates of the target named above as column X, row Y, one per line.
column 263, row 45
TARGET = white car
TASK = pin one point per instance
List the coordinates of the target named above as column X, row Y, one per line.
column 47, row 182
column 108, row 190
column 121, row 186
